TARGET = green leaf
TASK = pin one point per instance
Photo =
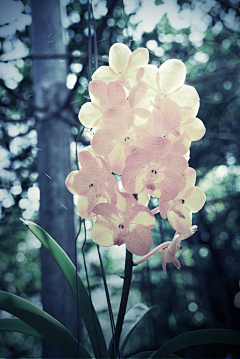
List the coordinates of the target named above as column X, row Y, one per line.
column 198, row 337
column 159, row 2
column 69, row 270
column 17, row 325
column 132, row 319
column 53, row 331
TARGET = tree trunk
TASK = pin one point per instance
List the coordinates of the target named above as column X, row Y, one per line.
column 56, row 214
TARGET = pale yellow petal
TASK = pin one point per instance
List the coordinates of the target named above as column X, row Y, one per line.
column 194, row 199
column 172, row 75
column 104, row 73
column 141, row 215
column 103, row 232
column 143, row 198
column 118, row 57
column 186, row 96
column 89, row 114
column 179, row 223
column 194, row 128
column 139, row 57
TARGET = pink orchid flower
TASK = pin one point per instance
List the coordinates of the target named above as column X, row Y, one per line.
column 126, row 222
column 93, row 183
column 155, row 170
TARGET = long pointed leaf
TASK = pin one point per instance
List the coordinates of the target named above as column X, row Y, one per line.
column 197, row 337
column 133, row 318
column 69, row 271
column 18, row 325
column 47, row 326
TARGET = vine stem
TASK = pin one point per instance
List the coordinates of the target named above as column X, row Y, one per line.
column 124, row 299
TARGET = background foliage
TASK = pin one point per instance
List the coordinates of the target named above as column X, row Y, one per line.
column 205, row 35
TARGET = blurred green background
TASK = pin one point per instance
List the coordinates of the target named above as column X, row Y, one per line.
column 204, row 34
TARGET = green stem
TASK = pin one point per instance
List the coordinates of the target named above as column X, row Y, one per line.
column 123, row 304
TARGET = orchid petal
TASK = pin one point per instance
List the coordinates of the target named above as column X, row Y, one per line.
column 104, row 73
column 167, row 115
column 116, row 159
column 103, row 232
column 172, row 75
column 104, row 141
column 139, row 240
column 194, row 128
column 132, row 179
column 179, row 223
column 89, row 114
column 185, row 96
column 194, row 199
column 116, row 94
column 119, row 55
column 139, row 57
column 98, row 90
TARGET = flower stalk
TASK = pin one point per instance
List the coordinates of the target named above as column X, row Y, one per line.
column 124, row 299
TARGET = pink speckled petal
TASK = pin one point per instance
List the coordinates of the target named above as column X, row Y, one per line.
column 194, row 199
column 174, row 164
column 104, row 141
column 132, row 179
column 172, row 75
column 98, row 90
column 139, row 240
column 119, row 55
column 136, row 94
column 116, row 159
column 170, row 188
column 87, row 161
column 185, row 96
column 158, row 149
column 124, row 202
column 139, row 57
column 167, row 115
column 179, row 223
column 89, row 114
column 118, row 120
column 106, row 210
column 139, row 158
column 116, row 94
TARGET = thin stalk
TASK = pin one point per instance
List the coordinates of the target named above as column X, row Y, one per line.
column 124, row 299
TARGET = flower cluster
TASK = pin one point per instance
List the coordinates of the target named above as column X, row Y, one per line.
column 141, row 121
